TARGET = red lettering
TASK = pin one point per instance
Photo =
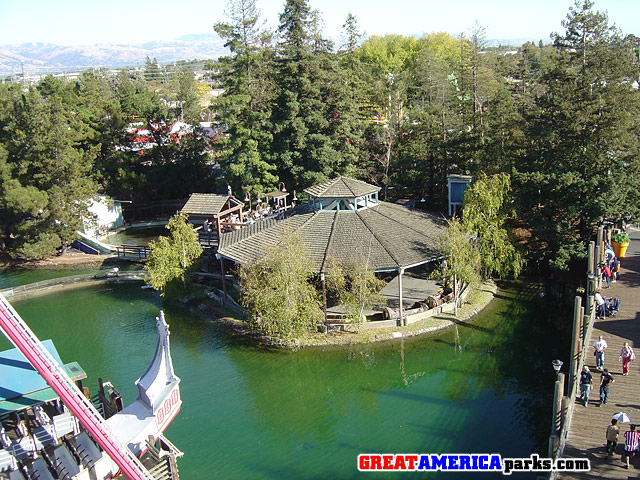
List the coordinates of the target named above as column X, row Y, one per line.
column 411, row 461
column 400, row 465
column 364, row 462
column 376, row 462
column 388, row 462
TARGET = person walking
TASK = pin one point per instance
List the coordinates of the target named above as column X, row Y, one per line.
column 585, row 385
column 606, row 379
column 612, row 437
column 626, row 357
column 599, row 346
column 631, row 439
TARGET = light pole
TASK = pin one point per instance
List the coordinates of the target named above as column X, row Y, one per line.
column 247, row 198
column 556, row 419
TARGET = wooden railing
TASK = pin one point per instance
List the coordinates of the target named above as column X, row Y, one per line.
column 140, row 252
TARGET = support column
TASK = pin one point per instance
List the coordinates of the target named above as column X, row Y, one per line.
column 591, row 282
column 598, row 258
column 400, row 273
column 324, row 297
column 558, row 393
column 575, row 344
column 224, row 284
column 217, row 217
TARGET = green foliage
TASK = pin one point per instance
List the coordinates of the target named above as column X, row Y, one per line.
column 582, row 162
column 487, row 208
column 620, row 237
column 172, row 258
column 245, row 105
column 45, row 162
column 354, row 287
column 463, row 258
column 277, row 290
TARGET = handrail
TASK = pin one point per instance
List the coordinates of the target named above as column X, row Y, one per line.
column 19, row 333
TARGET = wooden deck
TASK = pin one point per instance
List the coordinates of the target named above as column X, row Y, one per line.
column 586, row 438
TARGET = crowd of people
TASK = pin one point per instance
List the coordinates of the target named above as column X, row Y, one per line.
column 233, row 221
column 608, row 307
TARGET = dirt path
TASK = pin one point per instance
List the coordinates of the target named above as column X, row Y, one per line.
column 68, row 259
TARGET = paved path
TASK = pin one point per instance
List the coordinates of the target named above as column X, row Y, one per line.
column 587, row 433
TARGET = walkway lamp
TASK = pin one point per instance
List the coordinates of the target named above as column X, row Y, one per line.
column 247, row 198
column 282, row 187
column 557, row 365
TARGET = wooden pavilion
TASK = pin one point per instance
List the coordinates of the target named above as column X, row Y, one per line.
column 214, row 208
column 343, row 219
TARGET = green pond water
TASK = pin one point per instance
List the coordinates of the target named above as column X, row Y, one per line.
column 254, row 413
column 136, row 236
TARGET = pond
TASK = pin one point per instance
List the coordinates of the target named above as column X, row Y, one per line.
column 253, row 413
column 136, row 236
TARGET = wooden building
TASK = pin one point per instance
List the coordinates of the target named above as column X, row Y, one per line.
column 344, row 220
column 219, row 210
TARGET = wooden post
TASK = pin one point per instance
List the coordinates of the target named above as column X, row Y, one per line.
column 598, row 258
column 217, row 217
column 324, row 297
column 553, row 445
column 400, row 273
column 558, row 393
column 591, row 282
column 224, row 284
column 566, row 401
column 583, row 332
column 575, row 344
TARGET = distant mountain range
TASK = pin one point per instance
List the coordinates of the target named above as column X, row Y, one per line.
column 38, row 58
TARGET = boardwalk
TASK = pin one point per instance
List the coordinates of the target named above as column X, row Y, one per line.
column 587, row 433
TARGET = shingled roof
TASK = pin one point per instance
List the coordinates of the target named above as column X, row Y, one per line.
column 342, row 187
column 206, row 204
column 385, row 236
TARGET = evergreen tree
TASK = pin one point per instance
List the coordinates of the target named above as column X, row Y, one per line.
column 47, row 168
column 245, row 106
column 583, row 160
column 303, row 147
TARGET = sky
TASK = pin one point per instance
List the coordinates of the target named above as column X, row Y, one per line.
column 88, row 22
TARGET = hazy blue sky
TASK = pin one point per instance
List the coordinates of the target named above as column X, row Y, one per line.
column 86, row 22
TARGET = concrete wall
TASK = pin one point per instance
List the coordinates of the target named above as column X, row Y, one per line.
column 108, row 215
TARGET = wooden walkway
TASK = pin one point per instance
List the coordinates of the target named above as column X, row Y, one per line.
column 586, row 438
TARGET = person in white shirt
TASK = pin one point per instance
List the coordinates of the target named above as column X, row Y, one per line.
column 601, row 309
column 599, row 346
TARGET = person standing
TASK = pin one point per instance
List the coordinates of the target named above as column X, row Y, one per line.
column 605, row 384
column 626, row 357
column 606, row 272
column 601, row 308
column 585, row 385
column 630, row 444
column 612, row 437
column 599, row 347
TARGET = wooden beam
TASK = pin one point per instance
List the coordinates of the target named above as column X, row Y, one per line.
column 224, row 284
column 400, row 273
column 324, row 296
